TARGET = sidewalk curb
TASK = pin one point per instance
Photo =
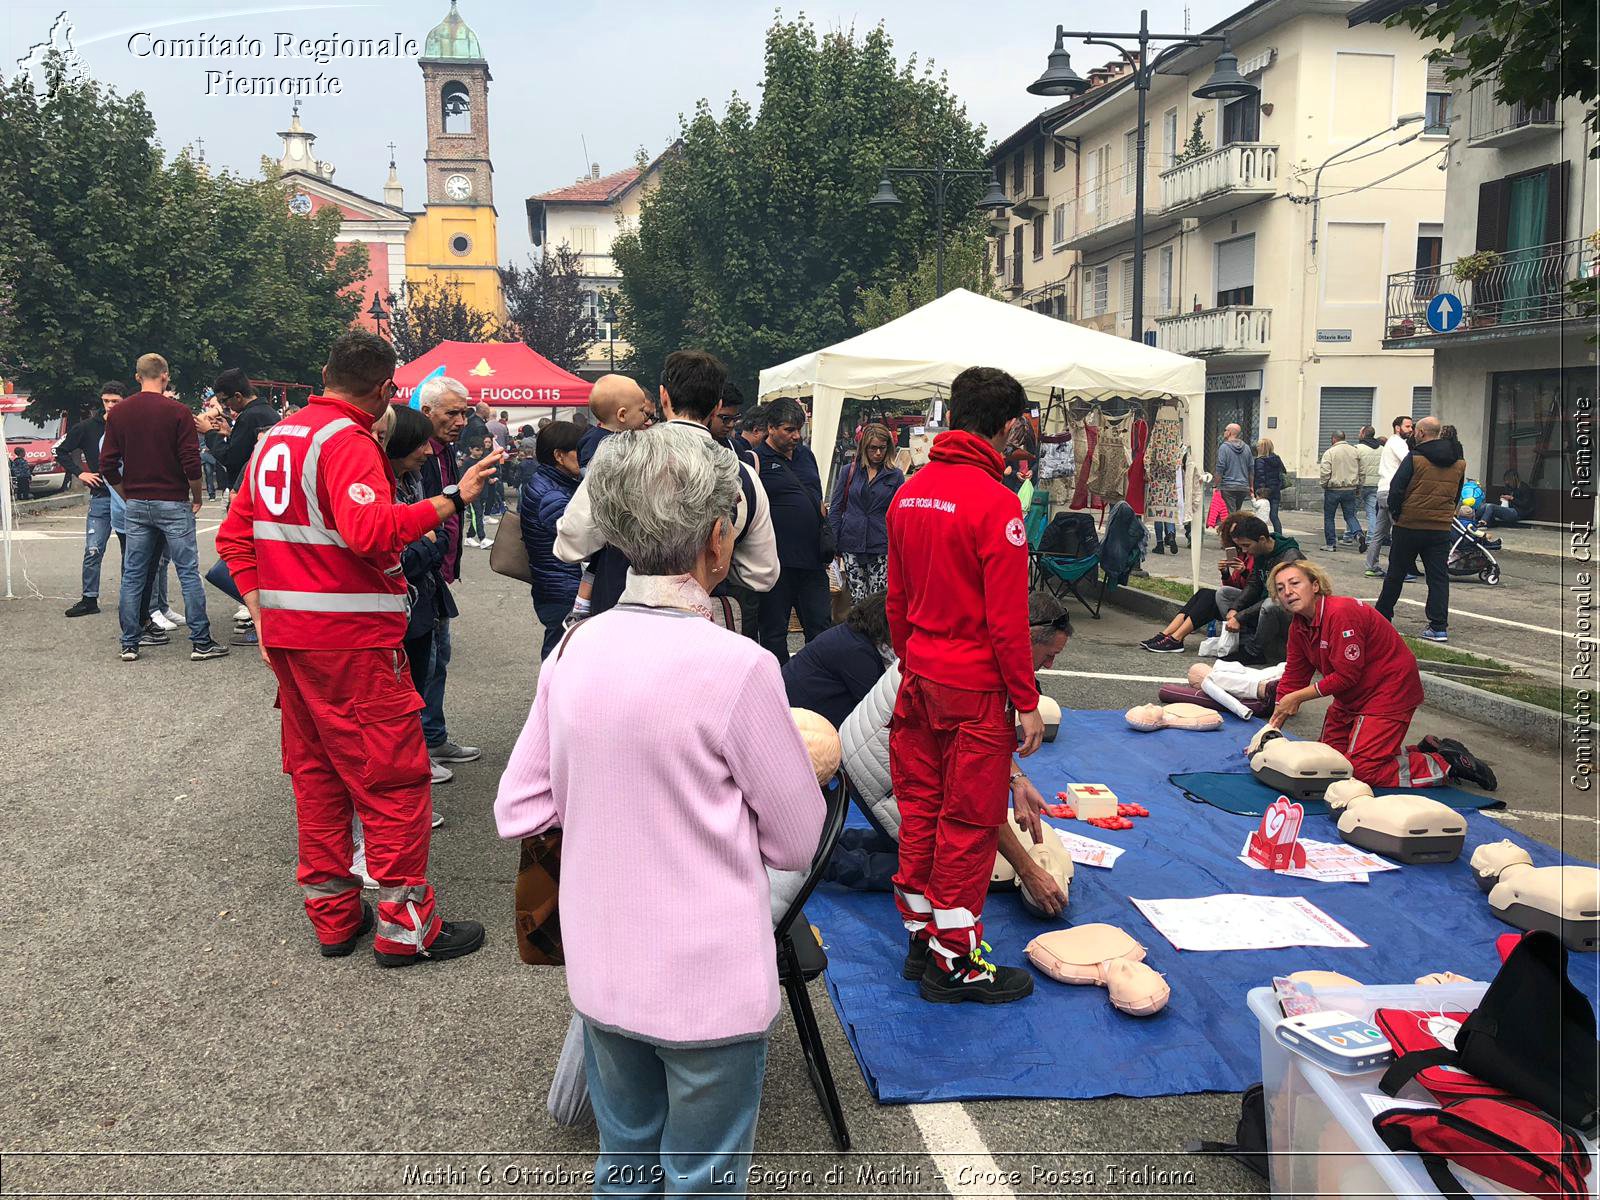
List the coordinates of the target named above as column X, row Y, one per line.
column 33, row 508
column 1527, row 722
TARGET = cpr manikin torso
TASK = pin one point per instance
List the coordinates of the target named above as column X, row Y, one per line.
column 1105, row 956
column 1300, row 770
column 1148, row 718
column 1049, row 854
column 1410, row 829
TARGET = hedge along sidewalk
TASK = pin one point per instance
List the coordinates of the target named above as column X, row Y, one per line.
column 1492, row 693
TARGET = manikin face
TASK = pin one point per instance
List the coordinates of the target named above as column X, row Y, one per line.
column 1295, row 592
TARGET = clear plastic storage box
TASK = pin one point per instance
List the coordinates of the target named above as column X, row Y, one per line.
column 1319, row 1125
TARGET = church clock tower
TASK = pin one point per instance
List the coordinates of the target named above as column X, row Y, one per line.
column 455, row 236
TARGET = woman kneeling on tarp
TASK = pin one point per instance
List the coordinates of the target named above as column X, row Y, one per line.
column 1371, row 676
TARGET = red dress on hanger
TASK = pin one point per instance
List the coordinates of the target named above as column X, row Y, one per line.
column 1080, row 489
column 1141, row 437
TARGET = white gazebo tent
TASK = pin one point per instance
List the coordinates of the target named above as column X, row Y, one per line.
column 922, row 352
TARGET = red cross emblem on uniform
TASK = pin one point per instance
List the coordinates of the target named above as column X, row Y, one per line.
column 272, row 479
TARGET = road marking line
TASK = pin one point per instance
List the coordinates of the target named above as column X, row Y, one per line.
column 961, row 1150
column 1480, row 617
column 1517, row 814
column 1102, row 675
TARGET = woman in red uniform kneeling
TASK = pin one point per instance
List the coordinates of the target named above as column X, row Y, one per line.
column 1371, row 676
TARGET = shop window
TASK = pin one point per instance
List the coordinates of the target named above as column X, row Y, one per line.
column 1531, row 427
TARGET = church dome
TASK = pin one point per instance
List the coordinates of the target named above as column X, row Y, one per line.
column 453, row 38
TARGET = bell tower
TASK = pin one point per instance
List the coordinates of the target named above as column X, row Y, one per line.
column 455, row 84
column 454, row 239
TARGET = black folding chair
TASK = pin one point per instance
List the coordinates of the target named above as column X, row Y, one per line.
column 801, row 959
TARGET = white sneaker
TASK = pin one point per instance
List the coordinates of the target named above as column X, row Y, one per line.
column 172, row 615
column 438, row 819
column 242, row 616
column 441, row 773
column 162, row 621
column 358, row 866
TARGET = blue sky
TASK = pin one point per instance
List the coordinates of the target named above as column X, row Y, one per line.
column 573, row 84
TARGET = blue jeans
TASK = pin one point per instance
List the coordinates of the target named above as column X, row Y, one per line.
column 1492, row 514
column 433, row 726
column 172, row 520
column 96, row 533
column 215, row 476
column 1339, row 502
column 673, row 1122
column 1369, row 505
column 1166, row 531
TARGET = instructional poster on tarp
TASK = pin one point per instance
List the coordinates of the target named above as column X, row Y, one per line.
column 1237, row 922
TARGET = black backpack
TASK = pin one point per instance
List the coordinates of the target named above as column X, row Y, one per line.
column 1070, row 535
column 1250, row 1151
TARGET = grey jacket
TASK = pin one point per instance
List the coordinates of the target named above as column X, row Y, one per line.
column 1235, row 465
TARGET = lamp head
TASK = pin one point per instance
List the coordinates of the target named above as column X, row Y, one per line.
column 885, row 197
column 1226, row 83
column 995, row 197
column 1410, row 118
column 1059, row 79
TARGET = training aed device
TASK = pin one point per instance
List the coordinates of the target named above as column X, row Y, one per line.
column 1336, row 1040
column 1408, row 829
column 1300, row 770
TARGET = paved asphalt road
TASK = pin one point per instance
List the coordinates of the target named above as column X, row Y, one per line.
column 164, row 996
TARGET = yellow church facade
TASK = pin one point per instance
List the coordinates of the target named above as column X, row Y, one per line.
column 454, row 237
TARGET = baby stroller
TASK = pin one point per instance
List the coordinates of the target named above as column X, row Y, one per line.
column 1472, row 553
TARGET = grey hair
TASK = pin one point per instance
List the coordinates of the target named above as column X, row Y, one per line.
column 1044, row 611
column 656, row 495
column 435, row 389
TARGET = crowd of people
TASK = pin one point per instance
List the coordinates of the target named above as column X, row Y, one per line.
column 669, row 541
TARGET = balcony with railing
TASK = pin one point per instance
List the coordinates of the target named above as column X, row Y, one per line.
column 1492, row 122
column 1517, row 293
column 1212, row 181
column 1101, row 214
column 1235, row 331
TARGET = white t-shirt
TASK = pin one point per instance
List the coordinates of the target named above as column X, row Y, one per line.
column 1394, row 453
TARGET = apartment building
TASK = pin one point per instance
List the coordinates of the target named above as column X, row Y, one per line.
column 1271, row 222
column 1516, row 375
column 587, row 216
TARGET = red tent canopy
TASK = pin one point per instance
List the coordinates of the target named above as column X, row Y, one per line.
column 501, row 374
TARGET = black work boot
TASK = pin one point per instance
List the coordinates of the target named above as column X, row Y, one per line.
column 916, row 958
column 85, row 607
column 972, row 978
column 455, row 939
column 347, row 947
column 1462, row 765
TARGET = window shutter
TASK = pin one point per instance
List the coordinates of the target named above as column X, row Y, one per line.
column 1421, row 402
column 1555, row 212
column 1236, row 264
column 1493, row 213
column 1436, row 75
column 1343, row 408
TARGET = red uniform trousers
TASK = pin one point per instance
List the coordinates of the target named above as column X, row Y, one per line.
column 1375, row 745
column 352, row 744
column 950, row 763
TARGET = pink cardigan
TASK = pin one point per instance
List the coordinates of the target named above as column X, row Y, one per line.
column 663, row 747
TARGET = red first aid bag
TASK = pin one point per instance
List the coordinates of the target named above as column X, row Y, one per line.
column 1425, row 1049
column 1519, row 1147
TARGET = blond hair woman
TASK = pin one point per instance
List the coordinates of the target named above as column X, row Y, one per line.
column 859, row 512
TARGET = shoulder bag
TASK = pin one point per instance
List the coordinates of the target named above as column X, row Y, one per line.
column 509, row 554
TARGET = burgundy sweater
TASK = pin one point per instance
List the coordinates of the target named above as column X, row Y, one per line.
column 151, row 448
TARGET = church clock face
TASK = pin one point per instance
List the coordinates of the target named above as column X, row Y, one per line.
column 458, row 187
column 300, row 204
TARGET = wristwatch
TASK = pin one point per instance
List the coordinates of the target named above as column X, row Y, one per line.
column 452, row 493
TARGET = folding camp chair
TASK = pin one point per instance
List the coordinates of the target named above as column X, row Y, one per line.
column 1056, row 573
column 801, row 959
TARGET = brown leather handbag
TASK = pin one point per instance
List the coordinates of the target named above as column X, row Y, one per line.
column 538, row 901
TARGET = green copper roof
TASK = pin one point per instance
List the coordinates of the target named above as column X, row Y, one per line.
column 452, row 38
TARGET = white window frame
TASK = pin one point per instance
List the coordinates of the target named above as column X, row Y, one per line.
column 1164, row 279
column 1096, row 290
column 1058, row 226
column 1098, row 160
column 1169, row 138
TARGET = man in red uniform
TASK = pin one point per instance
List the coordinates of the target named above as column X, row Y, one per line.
column 313, row 540
column 958, row 617
column 1372, row 677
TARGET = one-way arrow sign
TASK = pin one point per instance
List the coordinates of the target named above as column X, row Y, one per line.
column 1444, row 312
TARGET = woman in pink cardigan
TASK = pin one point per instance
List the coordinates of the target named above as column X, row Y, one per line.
column 663, row 747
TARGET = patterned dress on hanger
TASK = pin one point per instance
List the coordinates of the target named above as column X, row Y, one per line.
column 1162, row 457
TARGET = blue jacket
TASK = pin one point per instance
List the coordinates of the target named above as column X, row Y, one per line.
column 833, row 674
column 589, row 441
column 860, row 518
column 1269, row 474
column 794, row 495
column 544, row 498
column 421, row 561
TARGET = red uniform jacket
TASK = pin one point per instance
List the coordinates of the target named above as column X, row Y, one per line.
column 314, row 530
column 1365, row 665
column 958, row 574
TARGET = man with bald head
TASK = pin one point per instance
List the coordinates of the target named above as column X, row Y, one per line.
column 1423, row 496
column 1236, row 469
column 616, row 403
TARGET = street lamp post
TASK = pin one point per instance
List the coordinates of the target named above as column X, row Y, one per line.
column 379, row 317
column 1059, row 79
column 939, row 179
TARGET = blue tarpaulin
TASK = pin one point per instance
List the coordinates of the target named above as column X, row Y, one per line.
column 1068, row 1042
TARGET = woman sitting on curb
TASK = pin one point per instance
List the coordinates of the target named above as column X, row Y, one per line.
column 1203, row 606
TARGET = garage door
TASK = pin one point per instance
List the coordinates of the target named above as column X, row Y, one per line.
column 1421, row 402
column 1343, row 408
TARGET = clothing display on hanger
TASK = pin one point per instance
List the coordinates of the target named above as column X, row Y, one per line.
column 1162, row 460
column 1083, row 445
column 1136, row 471
column 1056, row 457
column 1113, row 456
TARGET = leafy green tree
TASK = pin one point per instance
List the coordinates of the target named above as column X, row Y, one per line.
column 111, row 253
column 757, row 242
column 546, row 306
column 966, row 265
column 426, row 314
